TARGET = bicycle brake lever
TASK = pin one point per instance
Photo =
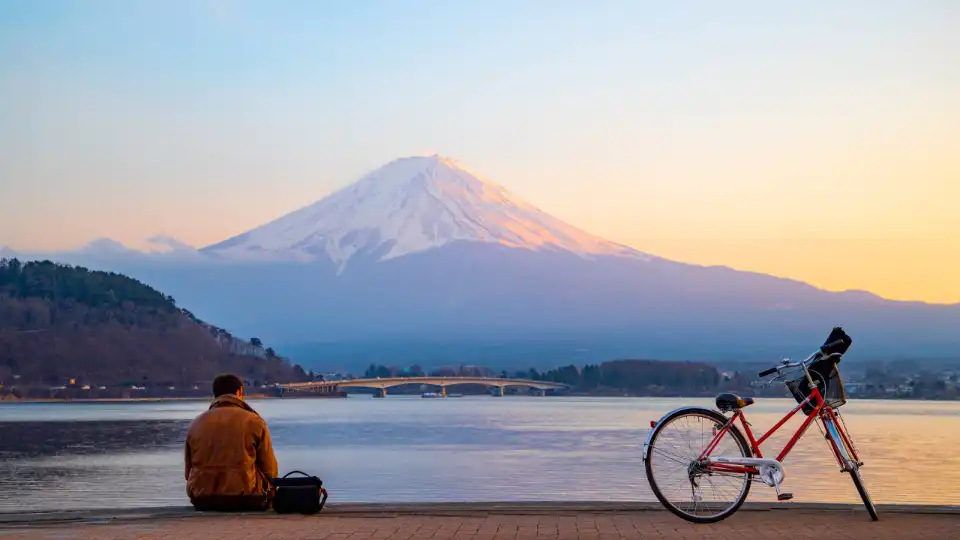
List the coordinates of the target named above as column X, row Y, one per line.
column 776, row 380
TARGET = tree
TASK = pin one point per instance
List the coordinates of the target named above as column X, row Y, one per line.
column 653, row 376
column 568, row 375
column 413, row 371
column 590, row 378
column 301, row 375
column 256, row 342
column 110, row 328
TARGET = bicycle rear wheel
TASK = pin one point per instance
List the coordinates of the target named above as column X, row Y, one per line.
column 671, row 457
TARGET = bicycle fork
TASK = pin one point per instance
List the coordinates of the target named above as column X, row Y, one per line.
column 847, row 463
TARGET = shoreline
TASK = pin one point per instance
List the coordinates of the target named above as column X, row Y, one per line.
column 13, row 401
column 100, row 400
column 150, row 399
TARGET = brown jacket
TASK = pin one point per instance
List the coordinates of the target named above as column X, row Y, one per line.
column 229, row 457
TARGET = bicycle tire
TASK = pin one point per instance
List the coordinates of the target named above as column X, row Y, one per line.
column 737, row 436
column 852, row 467
column 864, row 496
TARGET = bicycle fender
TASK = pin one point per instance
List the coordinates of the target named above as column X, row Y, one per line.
column 646, row 443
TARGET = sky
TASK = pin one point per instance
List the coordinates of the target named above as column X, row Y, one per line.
column 813, row 140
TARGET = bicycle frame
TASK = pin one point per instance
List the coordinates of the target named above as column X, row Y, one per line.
column 820, row 411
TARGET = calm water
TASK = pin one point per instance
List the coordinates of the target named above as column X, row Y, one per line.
column 406, row 449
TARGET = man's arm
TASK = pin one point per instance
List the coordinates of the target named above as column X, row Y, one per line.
column 266, row 460
column 186, row 460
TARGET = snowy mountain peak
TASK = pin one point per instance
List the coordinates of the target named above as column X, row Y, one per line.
column 411, row 205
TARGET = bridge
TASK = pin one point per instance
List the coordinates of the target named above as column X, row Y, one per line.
column 382, row 384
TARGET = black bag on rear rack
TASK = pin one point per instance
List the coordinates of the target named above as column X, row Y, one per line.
column 300, row 495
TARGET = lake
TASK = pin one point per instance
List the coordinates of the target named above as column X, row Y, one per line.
column 407, row 449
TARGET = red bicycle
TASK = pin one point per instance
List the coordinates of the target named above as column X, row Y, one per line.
column 699, row 464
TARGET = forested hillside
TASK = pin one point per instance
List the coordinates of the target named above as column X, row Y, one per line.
column 618, row 377
column 638, row 377
column 59, row 323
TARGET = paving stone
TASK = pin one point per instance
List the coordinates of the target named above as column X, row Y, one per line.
column 791, row 525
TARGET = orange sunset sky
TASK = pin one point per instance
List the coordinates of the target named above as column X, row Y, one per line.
column 819, row 142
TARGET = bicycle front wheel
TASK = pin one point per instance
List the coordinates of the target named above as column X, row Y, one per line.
column 679, row 484
column 867, row 501
column 851, row 466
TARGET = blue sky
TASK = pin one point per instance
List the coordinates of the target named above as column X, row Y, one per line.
column 702, row 131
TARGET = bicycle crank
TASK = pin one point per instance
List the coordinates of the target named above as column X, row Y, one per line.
column 770, row 470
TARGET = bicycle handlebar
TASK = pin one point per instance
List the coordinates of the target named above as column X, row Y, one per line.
column 829, row 350
column 819, row 355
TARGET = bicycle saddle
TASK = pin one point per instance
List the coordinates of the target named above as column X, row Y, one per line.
column 731, row 402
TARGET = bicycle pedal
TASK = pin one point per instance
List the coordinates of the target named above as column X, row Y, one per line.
column 784, row 496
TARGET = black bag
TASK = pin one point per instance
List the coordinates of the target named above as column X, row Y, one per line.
column 837, row 342
column 300, row 495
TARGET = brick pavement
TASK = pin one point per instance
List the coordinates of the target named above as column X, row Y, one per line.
column 791, row 524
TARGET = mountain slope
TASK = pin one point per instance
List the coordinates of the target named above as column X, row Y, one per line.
column 490, row 295
column 408, row 206
column 60, row 322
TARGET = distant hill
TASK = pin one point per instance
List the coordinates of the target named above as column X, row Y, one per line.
column 60, row 322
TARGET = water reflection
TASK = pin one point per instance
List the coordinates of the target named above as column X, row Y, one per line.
column 23, row 440
column 55, row 456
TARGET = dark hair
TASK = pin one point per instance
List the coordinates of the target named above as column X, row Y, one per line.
column 226, row 383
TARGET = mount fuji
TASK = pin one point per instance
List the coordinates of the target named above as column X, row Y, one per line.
column 411, row 205
column 420, row 257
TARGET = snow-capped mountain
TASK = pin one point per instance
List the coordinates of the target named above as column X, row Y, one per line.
column 408, row 206
column 422, row 250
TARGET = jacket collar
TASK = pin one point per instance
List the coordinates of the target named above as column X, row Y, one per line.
column 230, row 400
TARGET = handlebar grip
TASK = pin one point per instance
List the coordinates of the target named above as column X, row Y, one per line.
column 768, row 372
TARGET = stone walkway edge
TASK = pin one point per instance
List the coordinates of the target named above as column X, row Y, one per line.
column 93, row 516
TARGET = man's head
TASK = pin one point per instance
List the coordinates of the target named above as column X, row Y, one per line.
column 227, row 383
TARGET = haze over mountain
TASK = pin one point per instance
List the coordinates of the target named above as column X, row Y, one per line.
column 421, row 255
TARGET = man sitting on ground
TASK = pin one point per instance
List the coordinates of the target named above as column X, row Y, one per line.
column 229, row 456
